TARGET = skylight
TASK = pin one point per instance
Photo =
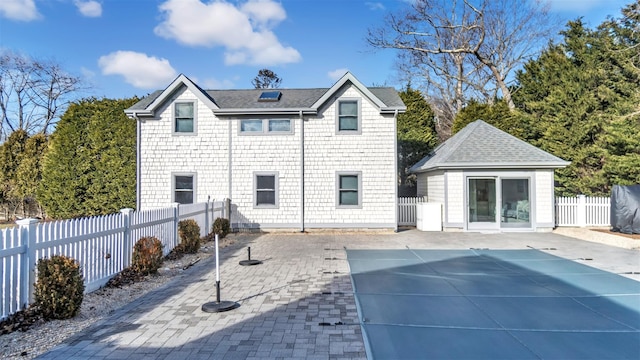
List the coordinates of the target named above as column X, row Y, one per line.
column 270, row 96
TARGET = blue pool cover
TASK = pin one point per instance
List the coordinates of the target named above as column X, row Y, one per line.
column 492, row 304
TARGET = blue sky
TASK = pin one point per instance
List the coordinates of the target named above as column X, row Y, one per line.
column 124, row 48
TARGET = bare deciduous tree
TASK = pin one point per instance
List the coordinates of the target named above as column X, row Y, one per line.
column 464, row 49
column 33, row 93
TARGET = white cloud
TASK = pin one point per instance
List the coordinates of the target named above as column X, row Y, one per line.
column 243, row 31
column 89, row 8
column 375, row 6
column 138, row 69
column 21, row 10
column 336, row 74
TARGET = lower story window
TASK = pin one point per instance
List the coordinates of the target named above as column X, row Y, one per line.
column 183, row 186
column 266, row 189
column 349, row 189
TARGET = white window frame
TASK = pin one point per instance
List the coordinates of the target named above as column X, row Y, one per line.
column 195, row 117
column 265, row 128
column 358, row 131
column 194, row 182
column 276, row 184
column 358, row 174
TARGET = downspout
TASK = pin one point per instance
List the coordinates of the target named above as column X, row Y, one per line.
column 138, row 157
column 301, row 172
column 395, row 167
column 230, row 166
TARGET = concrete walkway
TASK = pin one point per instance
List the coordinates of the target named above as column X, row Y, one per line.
column 298, row 304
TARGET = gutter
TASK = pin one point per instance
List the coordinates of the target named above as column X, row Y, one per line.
column 301, row 172
column 265, row 111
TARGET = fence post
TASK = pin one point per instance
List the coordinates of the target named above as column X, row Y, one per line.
column 206, row 215
column 28, row 239
column 176, row 220
column 582, row 211
column 227, row 209
column 126, row 221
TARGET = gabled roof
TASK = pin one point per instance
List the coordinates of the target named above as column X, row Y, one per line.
column 240, row 102
column 482, row 146
column 149, row 104
column 389, row 107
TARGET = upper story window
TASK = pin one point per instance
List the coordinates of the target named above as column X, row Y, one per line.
column 265, row 127
column 348, row 117
column 183, row 188
column 184, row 117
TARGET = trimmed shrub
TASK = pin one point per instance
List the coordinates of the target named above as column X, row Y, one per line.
column 59, row 288
column 147, row 255
column 189, row 232
column 221, row 227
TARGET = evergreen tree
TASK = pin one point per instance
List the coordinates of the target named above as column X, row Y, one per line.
column 582, row 98
column 498, row 115
column 90, row 168
column 266, row 79
column 416, row 133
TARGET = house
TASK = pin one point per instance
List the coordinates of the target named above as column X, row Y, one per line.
column 488, row 180
column 286, row 158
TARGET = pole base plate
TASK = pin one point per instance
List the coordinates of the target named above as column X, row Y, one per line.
column 219, row 306
column 250, row 262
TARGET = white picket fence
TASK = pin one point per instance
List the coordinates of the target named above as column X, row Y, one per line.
column 407, row 210
column 102, row 245
column 583, row 211
column 570, row 211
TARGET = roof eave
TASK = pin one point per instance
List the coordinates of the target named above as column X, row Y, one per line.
column 497, row 166
column 259, row 111
column 138, row 112
column 392, row 110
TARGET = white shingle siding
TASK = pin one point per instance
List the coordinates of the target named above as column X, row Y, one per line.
column 206, row 154
column 544, row 196
column 327, row 153
column 455, row 196
column 163, row 153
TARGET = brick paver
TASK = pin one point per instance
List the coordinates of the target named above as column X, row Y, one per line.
column 298, row 304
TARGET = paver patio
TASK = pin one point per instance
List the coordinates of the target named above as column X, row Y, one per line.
column 298, row 304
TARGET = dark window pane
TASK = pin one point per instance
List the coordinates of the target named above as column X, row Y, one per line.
column 279, row 125
column 349, row 108
column 184, row 197
column 348, row 182
column 184, row 125
column 348, row 198
column 266, row 182
column 184, row 182
column 266, row 198
column 184, row 110
column 251, row 126
column 348, row 123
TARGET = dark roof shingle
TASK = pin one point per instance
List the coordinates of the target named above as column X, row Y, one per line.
column 480, row 145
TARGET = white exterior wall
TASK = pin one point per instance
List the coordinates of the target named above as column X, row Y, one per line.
column 163, row 154
column 266, row 153
column 372, row 152
column 206, row 154
column 544, row 198
column 455, row 197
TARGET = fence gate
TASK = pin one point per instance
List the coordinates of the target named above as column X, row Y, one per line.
column 407, row 210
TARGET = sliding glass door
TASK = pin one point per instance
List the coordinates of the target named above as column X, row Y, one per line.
column 516, row 205
column 482, row 203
